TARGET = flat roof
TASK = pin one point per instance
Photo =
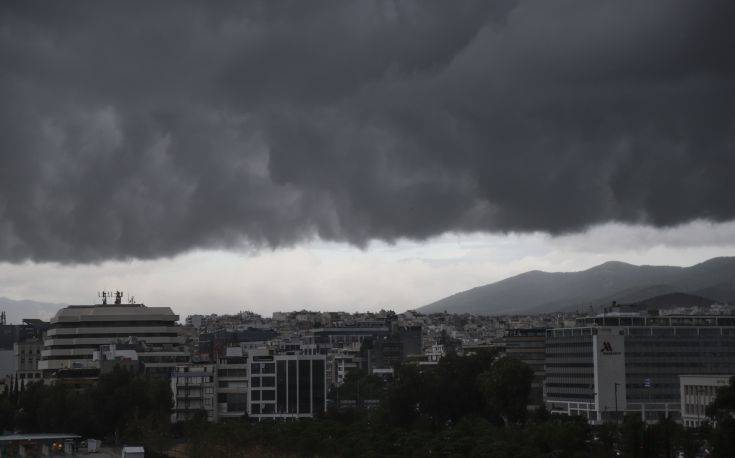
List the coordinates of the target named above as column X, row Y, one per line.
column 37, row 437
column 131, row 312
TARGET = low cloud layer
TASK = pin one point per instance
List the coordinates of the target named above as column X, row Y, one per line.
column 150, row 130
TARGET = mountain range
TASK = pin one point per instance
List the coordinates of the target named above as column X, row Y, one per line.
column 539, row 292
column 16, row 310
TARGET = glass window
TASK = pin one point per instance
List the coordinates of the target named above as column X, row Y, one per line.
column 281, row 386
column 292, row 382
column 304, row 386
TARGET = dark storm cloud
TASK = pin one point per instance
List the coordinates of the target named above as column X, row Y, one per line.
column 147, row 130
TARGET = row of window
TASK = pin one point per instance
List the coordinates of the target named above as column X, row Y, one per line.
column 263, row 395
column 700, row 390
column 262, row 381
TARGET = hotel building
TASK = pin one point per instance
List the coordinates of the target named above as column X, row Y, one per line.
column 609, row 365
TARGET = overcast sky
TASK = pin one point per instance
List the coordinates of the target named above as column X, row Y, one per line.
column 356, row 155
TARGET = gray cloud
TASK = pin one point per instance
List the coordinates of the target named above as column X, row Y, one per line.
column 145, row 131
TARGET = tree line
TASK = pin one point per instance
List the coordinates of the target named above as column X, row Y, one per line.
column 463, row 406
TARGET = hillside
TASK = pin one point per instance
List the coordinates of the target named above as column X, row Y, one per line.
column 674, row 300
column 538, row 292
column 16, row 310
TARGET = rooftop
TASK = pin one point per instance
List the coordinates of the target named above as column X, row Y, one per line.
column 37, row 437
column 101, row 312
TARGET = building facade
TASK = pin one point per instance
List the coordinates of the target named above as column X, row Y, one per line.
column 529, row 345
column 193, row 390
column 606, row 366
column 287, row 386
column 77, row 331
column 232, row 384
column 696, row 393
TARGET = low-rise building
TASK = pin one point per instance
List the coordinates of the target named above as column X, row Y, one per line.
column 193, row 390
column 232, row 384
column 697, row 392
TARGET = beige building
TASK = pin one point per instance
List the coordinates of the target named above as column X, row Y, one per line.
column 697, row 392
column 77, row 331
column 26, row 355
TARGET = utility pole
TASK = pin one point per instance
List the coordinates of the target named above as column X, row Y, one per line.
column 617, row 416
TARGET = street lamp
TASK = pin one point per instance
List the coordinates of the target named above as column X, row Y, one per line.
column 617, row 416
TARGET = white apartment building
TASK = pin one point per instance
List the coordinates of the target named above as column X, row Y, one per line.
column 232, row 383
column 194, row 390
column 26, row 355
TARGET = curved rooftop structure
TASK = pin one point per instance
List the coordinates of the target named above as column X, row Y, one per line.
column 77, row 331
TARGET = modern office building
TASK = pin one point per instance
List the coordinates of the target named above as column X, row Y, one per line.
column 77, row 331
column 529, row 345
column 608, row 365
column 287, row 386
column 697, row 392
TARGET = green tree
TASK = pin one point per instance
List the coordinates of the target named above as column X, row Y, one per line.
column 722, row 410
column 506, row 388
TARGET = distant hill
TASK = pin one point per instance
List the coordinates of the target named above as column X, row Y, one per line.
column 538, row 292
column 16, row 310
column 674, row 300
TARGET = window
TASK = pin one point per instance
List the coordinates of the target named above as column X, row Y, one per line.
column 281, row 386
column 304, row 386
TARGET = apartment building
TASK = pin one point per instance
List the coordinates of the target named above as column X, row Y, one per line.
column 193, row 389
column 232, row 383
